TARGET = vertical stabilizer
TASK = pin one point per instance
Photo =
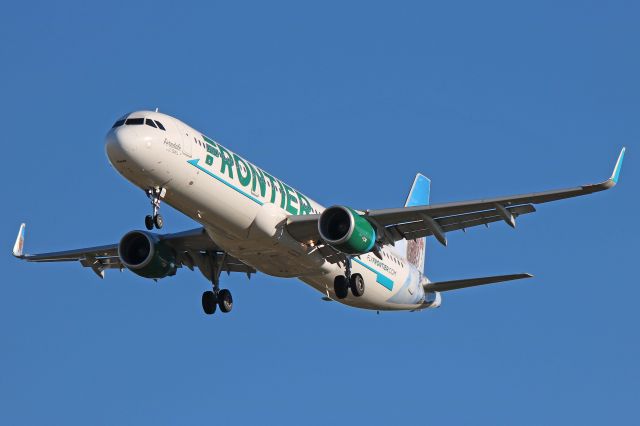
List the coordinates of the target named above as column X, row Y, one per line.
column 414, row 250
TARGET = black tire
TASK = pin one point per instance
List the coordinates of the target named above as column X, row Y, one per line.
column 225, row 301
column 357, row 285
column 148, row 222
column 158, row 221
column 341, row 287
column 209, row 302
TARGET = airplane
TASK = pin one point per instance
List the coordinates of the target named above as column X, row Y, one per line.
column 252, row 221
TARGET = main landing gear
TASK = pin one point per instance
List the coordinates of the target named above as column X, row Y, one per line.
column 211, row 300
column 217, row 297
column 155, row 195
column 342, row 284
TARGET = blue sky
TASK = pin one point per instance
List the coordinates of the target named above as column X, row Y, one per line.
column 346, row 102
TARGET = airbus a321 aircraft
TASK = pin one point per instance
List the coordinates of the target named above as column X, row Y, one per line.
column 252, row 221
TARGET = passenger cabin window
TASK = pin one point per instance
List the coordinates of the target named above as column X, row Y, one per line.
column 134, row 121
column 150, row 122
column 117, row 124
column 160, row 126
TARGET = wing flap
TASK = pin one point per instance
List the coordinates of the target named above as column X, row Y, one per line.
column 420, row 229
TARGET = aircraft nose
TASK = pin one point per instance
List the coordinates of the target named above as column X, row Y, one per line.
column 125, row 149
column 121, row 143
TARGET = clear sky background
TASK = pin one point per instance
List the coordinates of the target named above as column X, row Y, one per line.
column 346, row 102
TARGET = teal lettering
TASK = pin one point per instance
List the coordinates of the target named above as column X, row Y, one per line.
column 226, row 161
column 241, row 166
column 305, row 205
column 291, row 199
column 273, row 187
column 211, row 146
column 283, row 195
column 258, row 176
column 209, row 160
column 212, row 150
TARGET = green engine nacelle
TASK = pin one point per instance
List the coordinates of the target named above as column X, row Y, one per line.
column 345, row 230
column 146, row 255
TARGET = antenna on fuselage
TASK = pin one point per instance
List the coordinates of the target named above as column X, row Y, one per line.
column 156, row 109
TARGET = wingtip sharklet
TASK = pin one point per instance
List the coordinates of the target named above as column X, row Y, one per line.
column 616, row 170
column 18, row 247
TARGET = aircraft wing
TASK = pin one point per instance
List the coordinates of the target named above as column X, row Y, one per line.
column 437, row 219
column 192, row 248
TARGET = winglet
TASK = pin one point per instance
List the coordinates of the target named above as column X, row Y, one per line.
column 19, row 245
column 618, row 167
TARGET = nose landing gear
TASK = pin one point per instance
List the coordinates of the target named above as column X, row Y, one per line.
column 155, row 195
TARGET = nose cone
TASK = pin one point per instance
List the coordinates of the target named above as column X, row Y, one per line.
column 132, row 151
column 135, row 150
column 121, row 144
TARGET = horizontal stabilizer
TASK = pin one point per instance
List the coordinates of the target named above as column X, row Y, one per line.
column 471, row 282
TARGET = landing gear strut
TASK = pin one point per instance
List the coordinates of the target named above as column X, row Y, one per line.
column 155, row 196
column 217, row 297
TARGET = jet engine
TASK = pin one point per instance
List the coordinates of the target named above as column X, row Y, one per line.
column 347, row 231
column 144, row 254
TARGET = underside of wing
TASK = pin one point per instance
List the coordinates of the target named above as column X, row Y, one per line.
column 192, row 248
column 437, row 219
column 418, row 229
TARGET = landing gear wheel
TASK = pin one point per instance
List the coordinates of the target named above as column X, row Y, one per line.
column 209, row 302
column 148, row 222
column 225, row 301
column 341, row 287
column 158, row 221
column 357, row 285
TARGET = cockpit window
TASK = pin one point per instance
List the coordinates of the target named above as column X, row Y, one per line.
column 160, row 126
column 135, row 121
column 117, row 124
column 149, row 122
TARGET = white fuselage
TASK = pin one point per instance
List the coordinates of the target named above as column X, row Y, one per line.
column 244, row 210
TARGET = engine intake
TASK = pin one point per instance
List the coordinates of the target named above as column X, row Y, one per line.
column 345, row 230
column 144, row 254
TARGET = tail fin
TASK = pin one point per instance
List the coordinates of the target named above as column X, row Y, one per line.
column 418, row 196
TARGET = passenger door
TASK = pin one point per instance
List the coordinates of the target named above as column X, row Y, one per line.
column 187, row 139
